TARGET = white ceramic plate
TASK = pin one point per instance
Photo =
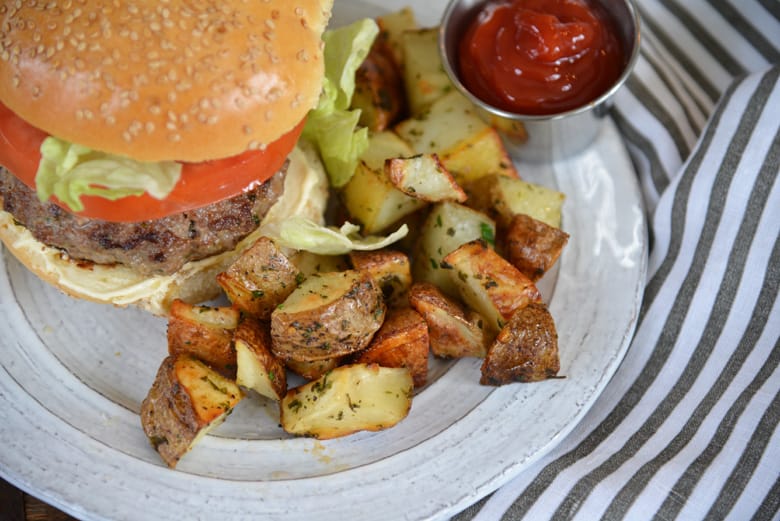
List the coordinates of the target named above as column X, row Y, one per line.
column 73, row 374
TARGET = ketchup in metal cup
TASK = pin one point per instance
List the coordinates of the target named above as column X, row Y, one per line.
column 540, row 57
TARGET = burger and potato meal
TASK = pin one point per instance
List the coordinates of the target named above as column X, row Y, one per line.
column 164, row 156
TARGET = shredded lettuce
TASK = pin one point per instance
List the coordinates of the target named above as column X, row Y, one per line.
column 331, row 125
column 70, row 171
column 303, row 234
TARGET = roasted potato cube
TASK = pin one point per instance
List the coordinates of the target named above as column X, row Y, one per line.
column 447, row 226
column 313, row 370
column 478, row 155
column 454, row 332
column 384, row 145
column 187, row 400
column 503, row 197
column 309, row 263
column 258, row 368
column 526, row 349
column 424, row 76
column 205, row 332
column 392, row 27
column 533, row 246
column 390, row 269
column 451, row 120
column 351, row 398
column 424, row 177
column 489, row 284
column 514, row 131
column 260, row 279
column 328, row 315
column 379, row 89
column 372, row 199
column 402, row 341
column 414, row 222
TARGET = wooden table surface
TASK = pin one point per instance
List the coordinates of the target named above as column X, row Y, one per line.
column 16, row 505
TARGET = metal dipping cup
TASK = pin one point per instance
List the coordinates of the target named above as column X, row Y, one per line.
column 552, row 136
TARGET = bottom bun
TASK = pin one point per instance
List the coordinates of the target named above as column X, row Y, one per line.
column 305, row 193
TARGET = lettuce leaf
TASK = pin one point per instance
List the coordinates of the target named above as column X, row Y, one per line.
column 331, row 125
column 303, row 234
column 70, row 171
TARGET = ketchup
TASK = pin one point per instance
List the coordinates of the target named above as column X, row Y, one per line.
column 540, row 57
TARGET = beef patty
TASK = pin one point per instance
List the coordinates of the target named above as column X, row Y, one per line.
column 159, row 246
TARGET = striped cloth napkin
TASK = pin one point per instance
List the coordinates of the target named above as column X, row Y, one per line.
column 688, row 426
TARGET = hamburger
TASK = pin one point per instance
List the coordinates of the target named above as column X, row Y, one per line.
column 146, row 145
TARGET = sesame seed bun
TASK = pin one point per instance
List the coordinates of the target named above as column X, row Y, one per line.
column 161, row 80
column 305, row 194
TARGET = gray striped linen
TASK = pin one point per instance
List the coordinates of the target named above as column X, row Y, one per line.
column 688, row 426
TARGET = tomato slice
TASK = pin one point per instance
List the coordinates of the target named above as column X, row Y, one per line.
column 200, row 183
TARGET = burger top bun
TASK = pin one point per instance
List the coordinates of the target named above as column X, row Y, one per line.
column 163, row 80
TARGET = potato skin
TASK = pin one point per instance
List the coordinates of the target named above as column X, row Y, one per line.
column 379, row 89
column 175, row 410
column 390, row 269
column 313, row 370
column 259, row 279
column 525, row 350
column 533, row 246
column 204, row 332
column 340, row 326
column 402, row 341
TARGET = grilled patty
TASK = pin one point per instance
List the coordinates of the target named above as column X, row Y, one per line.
column 160, row 246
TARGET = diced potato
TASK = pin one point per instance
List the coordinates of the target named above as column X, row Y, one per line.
column 503, row 197
column 532, row 246
column 379, row 89
column 448, row 226
column 349, row 399
column 260, row 279
column 328, row 315
column 515, row 131
column 478, row 155
column 313, row 370
column 454, row 332
column 258, row 368
column 309, row 263
column 414, row 222
column 391, row 29
column 450, row 120
column 526, row 349
column 186, row 400
column 424, row 177
column 382, row 146
column 372, row 199
column 390, row 269
column 205, row 332
column 424, row 75
column 402, row 341
column 489, row 284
